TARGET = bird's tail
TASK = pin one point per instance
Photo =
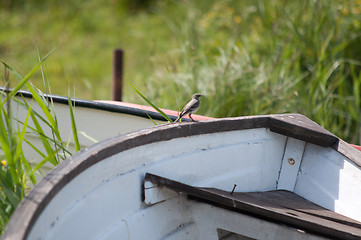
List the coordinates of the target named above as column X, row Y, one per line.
column 179, row 117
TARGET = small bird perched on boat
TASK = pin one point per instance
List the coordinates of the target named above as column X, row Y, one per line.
column 191, row 107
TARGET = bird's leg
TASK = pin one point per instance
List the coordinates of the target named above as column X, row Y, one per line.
column 191, row 117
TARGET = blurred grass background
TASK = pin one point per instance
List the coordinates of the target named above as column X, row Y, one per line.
column 248, row 57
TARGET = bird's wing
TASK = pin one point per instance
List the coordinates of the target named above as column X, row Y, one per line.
column 188, row 107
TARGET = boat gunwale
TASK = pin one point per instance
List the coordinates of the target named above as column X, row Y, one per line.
column 292, row 125
column 99, row 105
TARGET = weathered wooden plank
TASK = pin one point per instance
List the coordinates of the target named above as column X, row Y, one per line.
column 281, row 206
column 302, row 128
column 347, row 150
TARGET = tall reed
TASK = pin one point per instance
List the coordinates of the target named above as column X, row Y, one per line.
column 17, row 173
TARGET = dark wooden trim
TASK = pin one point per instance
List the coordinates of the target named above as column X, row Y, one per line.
column 300, row 127
column 348, row 151
column 279, row 205
column 100, row 106
column 293, row 125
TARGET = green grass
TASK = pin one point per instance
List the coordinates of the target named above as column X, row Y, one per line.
column 246, row 57
column 17, row 174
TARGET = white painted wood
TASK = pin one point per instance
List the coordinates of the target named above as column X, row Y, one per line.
column 331, row 180
column 97, row 124
column 107, row 123
column 249, row 158
column 290, row 164
column 106, row 201
column 154, row 194
column 210, row 218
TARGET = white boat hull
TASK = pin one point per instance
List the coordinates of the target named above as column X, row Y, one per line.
column 100, row 193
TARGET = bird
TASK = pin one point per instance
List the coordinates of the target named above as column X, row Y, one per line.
column 191, row 107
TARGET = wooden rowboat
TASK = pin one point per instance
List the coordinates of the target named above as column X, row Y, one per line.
column 115, row 117
column 259, row 177
column 98, row 120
